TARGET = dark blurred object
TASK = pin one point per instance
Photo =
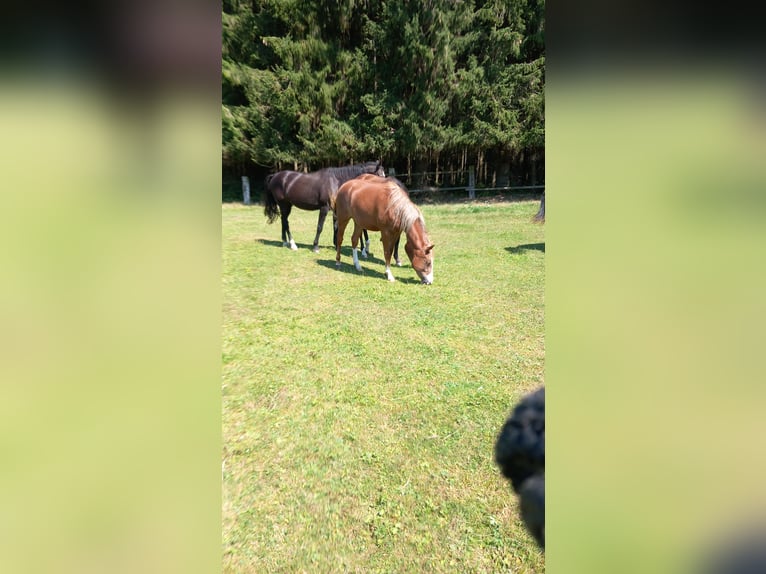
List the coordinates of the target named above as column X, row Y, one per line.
column 532, row 503
column 143, row 60
column 520, row 454
column 634, row 34
column 140, row 47
column 743, row 553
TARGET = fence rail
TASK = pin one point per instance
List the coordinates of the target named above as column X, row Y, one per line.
column 470, row 187
column 465, row 187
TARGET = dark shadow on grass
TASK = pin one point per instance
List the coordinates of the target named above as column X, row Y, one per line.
column 273, row 243
column 348, row 267
column 526, row 247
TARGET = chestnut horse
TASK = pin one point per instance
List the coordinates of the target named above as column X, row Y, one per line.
column 309, row 191
column 366, row 238
column 382, row 204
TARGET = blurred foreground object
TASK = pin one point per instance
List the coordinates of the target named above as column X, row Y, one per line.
column 741, row 552
column 520, row 454
column 109, row 298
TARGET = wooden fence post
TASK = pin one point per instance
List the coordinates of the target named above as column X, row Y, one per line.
column 246, row 190
column 471, row 183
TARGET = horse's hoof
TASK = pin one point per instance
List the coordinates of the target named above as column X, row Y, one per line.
column 337, row 264
column 315, row 250
column 398, row 262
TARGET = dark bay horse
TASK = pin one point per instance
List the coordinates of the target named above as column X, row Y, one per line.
column 309, row 191
column 382, row 204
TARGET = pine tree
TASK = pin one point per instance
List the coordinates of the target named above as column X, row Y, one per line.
column 314, row 83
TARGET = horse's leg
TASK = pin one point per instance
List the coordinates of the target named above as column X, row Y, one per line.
column 354, row 242
column 339, row 239
column 283, row 211
column 396, row 252
column 334, row 229
column 320, row 224
column 366, row 244
column 285, row 208
column 387, row 251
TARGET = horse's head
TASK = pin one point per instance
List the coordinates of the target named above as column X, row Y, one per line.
column 422, row 259
column 379, row 171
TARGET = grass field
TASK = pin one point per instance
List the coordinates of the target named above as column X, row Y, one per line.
column 359, row 416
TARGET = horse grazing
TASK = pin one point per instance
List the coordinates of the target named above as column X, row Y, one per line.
column 365, row 235
column 382, row 204
column 309, row 191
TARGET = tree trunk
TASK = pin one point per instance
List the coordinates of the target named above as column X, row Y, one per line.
column 504, row 170
column 421, row 166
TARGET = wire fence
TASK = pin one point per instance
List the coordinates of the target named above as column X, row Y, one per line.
column 421, row 187
column 469, row 186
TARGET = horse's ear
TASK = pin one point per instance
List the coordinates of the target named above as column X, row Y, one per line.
column 428, row 249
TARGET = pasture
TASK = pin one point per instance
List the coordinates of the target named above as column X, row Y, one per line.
column 359, row 416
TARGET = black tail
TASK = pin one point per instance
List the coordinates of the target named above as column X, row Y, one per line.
column 270, row 207
column 540, row 215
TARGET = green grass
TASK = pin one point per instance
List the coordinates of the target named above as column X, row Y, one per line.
column 359, row 416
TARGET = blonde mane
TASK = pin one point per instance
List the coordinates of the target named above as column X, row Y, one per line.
column 403, row 212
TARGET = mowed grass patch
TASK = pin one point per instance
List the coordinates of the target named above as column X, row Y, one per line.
column 360, row 415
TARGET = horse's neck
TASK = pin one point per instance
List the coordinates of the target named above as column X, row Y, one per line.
column 416, row 234
column 343, row 174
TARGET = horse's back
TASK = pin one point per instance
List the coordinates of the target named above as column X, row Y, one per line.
column 309, row 191
column 342, row 201
column 276, row 182
column 365, row 200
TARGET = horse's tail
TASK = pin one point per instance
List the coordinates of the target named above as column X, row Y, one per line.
column 270, row 207
column 540, row 215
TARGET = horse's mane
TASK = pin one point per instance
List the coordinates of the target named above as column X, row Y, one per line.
column 403, row 212
column 347, row 172
column 397, row 182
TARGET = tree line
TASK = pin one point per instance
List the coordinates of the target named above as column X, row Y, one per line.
column 430, row 86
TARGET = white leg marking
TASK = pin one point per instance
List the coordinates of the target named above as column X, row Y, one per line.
column 398, row 262
column 364, row 252
column 293, row 246
column 356, row 260
column 389, row 275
